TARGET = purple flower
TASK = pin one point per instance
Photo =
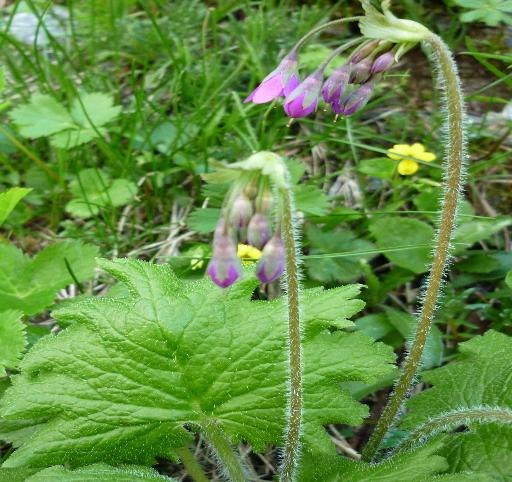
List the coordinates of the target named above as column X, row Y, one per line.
column 241, row 211
column 283, row 80
column 271, row 264
column 361, row 71
column 357, row 99
column 224, row 268
column 304, row 99
column 383, row 62
column 258, row 231
column 335, row 85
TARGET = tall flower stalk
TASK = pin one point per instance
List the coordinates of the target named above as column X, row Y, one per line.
column 384, row 25
column 388, row 38
column 265, row 170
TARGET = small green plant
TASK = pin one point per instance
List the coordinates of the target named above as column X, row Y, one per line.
column 66, row 128
column 94, row 190
column 490, row 12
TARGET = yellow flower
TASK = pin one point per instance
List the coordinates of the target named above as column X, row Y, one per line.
column 407, row 167
column 247, row 253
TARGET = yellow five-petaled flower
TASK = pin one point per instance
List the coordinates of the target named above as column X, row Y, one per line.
column 407, row 167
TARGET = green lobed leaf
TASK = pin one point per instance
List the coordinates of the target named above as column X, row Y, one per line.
column 310, row 200
column 393, row 232
column 42, row 116
column 330, row 269
column 96, row 472
column 479, row 376
column 13, row 339
column 204, row 220
column 95, row 109
column 120, row 384
column 30, row 285
column 418, row 465
column 9, row 199
column 99, row 473
column 93, row 190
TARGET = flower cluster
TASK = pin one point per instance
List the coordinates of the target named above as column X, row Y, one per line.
column 346, row 90
column 408, row 167
column 246, row 219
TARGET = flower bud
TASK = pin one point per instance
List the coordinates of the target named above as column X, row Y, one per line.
column 258, row 232
column 224, row 268
column 357, row 99
column 364, row 51
column 271, row 264
column 383, row 62
column 361, row 71
column 241, row 211
column 265, row 202
column 335, row 85
column 304, row 99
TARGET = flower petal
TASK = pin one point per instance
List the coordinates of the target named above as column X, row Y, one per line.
column 268, row 90
column 407, row 167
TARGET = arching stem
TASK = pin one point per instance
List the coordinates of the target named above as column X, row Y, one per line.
column 324, row 26
column 294, row 412
column 454, row 170
column 451, row 420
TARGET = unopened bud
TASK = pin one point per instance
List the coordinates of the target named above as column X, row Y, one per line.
column 241, row 211
column 335, row 85
column 364, row 51
column 357, row 99
column 361, row 71
column 271, row 264
column 383, row 62
column 258, row 231
column 224, row 268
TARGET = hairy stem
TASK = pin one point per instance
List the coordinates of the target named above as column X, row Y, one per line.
column 451, row 420
column 324, row 26
column 191, row 465
column 454, row 169
column 225, row 454
column 294, row 412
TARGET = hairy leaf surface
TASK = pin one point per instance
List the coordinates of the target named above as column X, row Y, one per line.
column 30, row 285
column 480, row 376
column 13, row 339
column 419, row 465
column 121, row 383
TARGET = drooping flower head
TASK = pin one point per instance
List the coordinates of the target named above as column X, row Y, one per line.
column 279, row 82
column 247, row 215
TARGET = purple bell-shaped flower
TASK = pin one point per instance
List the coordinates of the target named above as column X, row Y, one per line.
column 383, row 62
column 357, row 99
column 304, row 98
column 241, row 211
column 335, row 85
column 225, row 266
column 271, row 264
column 258, row 231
